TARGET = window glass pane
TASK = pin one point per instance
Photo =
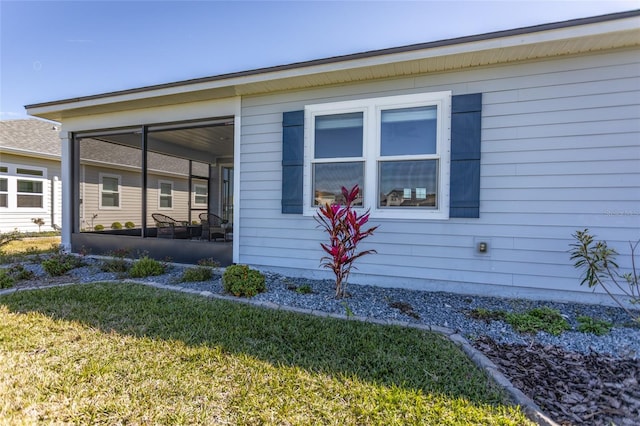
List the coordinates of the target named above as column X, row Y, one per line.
column 29, row 172
column 29, row 200
column 110, row 199
column 329, row 178
column 408, row 183
column 3, row 200
column 30, row 186
column 4, row 169
column 165, row 188
column 408, row 131
column 110, row 184
column 165, row 202
column 338, row 135
column 200, row 190
column 3, row 185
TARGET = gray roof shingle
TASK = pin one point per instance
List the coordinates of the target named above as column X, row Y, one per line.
column 37, row 136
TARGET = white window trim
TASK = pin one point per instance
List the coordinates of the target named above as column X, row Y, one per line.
column 13, row 177
column 101, row 176
column 371, row 109
column 196, row 204
column 160, row 195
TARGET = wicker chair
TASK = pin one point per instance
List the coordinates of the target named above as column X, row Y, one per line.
column 170, row 228
column 213, row 226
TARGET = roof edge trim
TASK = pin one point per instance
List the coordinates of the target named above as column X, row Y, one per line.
column 354, row 56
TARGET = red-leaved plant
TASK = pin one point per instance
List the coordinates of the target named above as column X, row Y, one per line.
column 345, row 229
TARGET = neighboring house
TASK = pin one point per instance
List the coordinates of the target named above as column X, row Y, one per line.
column 30, row 184
column 510, row 140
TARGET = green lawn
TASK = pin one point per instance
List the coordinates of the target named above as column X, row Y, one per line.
column 129, row 354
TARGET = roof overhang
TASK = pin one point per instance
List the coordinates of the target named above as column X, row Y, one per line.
column 28, row 153
column 575, row 37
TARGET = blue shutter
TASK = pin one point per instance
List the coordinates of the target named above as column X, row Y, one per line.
column 292, row 161
column 466, row 114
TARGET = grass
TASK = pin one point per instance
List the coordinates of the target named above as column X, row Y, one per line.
column 125, row 353
column 31, row 245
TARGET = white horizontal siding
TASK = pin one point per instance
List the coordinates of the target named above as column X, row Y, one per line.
column 21, row 219
column 560, row 152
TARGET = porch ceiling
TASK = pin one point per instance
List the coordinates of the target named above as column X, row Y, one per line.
column 534, row 43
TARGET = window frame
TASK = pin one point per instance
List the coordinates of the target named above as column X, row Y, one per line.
column 160, row 195
column 101, row 177
column 196, row 195
column 13, row 173
column 372, row 112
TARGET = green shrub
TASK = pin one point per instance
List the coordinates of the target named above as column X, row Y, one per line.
column 240, row 280
column 538, row 319
column 304, row 289
column 6, row 280
column 199, row 273
column 129, row 225
column 597, row 263
column 60, row 263
column 210, row 261
column 98, row 227
column 116, row 225
column 116, row 263
column 488, row 315
column 19, row 272
column 146, row 267
column 595, row 326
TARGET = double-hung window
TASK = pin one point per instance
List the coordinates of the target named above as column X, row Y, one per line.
column 165, row 194
column 29, row 188
column 396, row 149
column 109, row 191
column 200, row 195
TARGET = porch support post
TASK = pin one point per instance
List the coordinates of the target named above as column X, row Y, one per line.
column 145, row 130
column 70, row 162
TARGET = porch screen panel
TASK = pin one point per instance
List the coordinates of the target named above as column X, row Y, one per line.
column 110, row 183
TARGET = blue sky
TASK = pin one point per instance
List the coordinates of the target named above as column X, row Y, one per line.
column 53, row 50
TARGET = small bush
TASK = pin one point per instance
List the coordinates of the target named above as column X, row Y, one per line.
column 20, row 273
column 538, row 319
column 240, row 281
column 304, row 289
column 210, row 262
column 6, row 280
column 146, row 267
column 60, row 263
column 116, row 225
column 595, row 326
column 98, row 227
column 129, row 225
column 116, row 263
column 199, row 273
column 487, row 315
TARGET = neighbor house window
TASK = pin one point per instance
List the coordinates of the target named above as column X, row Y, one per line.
column 200, row 195
column 22, row 187
column 395, row 148
column 165, row 194
column 109, row 191
column 4, row 192
column 29, row 193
